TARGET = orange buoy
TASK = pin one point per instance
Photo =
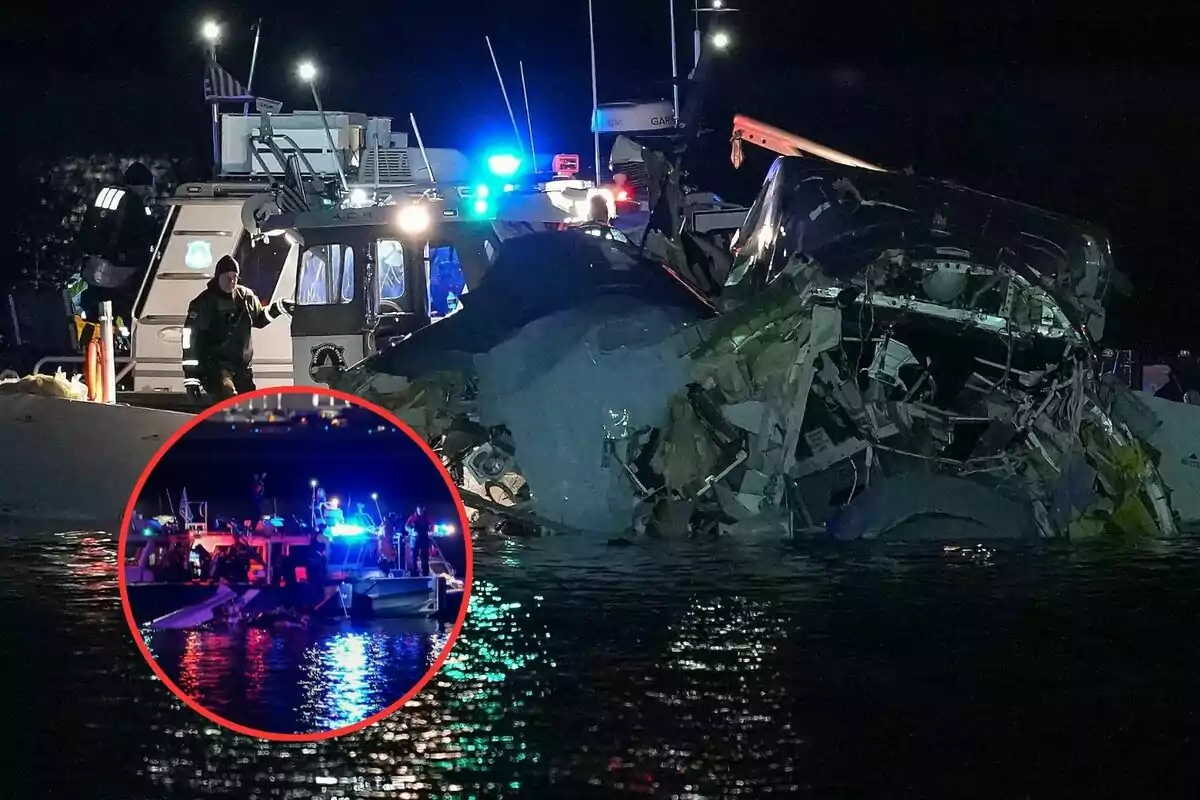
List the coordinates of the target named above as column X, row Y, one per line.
column 93, row 370
column 92, row 374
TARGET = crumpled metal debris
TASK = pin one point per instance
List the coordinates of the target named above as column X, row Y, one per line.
column 868, row 449
column 910, row 385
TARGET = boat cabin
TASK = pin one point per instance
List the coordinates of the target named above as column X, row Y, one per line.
column 371, row 237
column 280, row 164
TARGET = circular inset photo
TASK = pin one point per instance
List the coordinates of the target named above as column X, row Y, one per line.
column 296, row 564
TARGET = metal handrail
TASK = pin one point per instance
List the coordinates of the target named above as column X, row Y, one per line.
column 127, row 361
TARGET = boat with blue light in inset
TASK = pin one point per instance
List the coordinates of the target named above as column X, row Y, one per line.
column 182, row 572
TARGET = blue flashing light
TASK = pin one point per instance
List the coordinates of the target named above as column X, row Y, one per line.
column 503, row 164
column 345, row 529
column 277, row 522
column 510, row 187
column 482, row 190
column 147, row 531
column 444, row 529
column 481, row 207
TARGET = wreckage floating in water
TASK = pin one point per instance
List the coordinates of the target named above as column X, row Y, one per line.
column 893, row 353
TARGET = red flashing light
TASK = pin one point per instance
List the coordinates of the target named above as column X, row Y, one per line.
column 622, row 196
column 566, row 165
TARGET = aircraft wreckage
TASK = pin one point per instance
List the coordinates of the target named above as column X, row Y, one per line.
column 888, row 356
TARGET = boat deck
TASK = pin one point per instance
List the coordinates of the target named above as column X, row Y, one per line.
column 163, row 401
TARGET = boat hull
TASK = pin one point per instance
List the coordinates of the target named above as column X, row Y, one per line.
column 78, row 462
column 399, row 597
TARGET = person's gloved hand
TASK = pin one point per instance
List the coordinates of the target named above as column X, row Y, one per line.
column 194, row 393
column 287, row 305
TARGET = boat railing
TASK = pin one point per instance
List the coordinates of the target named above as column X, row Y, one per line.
column 99, row 360
column 293, row 198
column 128, row 363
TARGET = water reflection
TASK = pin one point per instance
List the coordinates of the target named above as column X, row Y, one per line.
column 319, row 678
column 677, row 671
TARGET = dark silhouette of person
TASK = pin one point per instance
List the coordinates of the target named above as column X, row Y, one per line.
column 258, row 495
column 316, row 561
column 421, row 530
column 392, row 547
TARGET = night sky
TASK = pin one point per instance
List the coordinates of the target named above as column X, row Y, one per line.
column 1080, row 109
column 217, row 465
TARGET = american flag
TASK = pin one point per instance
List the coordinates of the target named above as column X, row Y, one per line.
column 221, row 87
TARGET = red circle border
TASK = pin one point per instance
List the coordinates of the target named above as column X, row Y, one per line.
column 317, row 736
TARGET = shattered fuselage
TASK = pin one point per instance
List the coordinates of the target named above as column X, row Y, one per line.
column 965, row 328
column 894, row 357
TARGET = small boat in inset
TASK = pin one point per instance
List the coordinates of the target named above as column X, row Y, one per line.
column 183, row 574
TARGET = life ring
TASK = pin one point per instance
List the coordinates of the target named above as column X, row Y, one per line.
column 93, row 372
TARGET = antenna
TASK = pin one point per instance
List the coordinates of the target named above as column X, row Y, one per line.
column 503, row 91
column 375, row 186
column 421, row 144
column 595, row 96
column 253, row 62
column 528, row 117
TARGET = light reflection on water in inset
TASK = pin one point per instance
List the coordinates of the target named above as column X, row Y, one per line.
column 298, row 680
column 686, row 670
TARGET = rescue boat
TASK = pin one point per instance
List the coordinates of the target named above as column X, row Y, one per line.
column 173, row 573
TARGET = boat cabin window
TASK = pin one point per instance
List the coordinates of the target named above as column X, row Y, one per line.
column 444, row 277
column 326, row 276
column 391, row 269
column 261, row 264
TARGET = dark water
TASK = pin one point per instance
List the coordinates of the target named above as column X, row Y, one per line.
column 711, row 671
column 299, row 680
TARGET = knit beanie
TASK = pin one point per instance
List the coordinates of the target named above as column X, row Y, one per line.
column 227, row 264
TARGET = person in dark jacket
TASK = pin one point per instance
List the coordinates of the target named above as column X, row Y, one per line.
column 420, row 528
column 218, row 353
